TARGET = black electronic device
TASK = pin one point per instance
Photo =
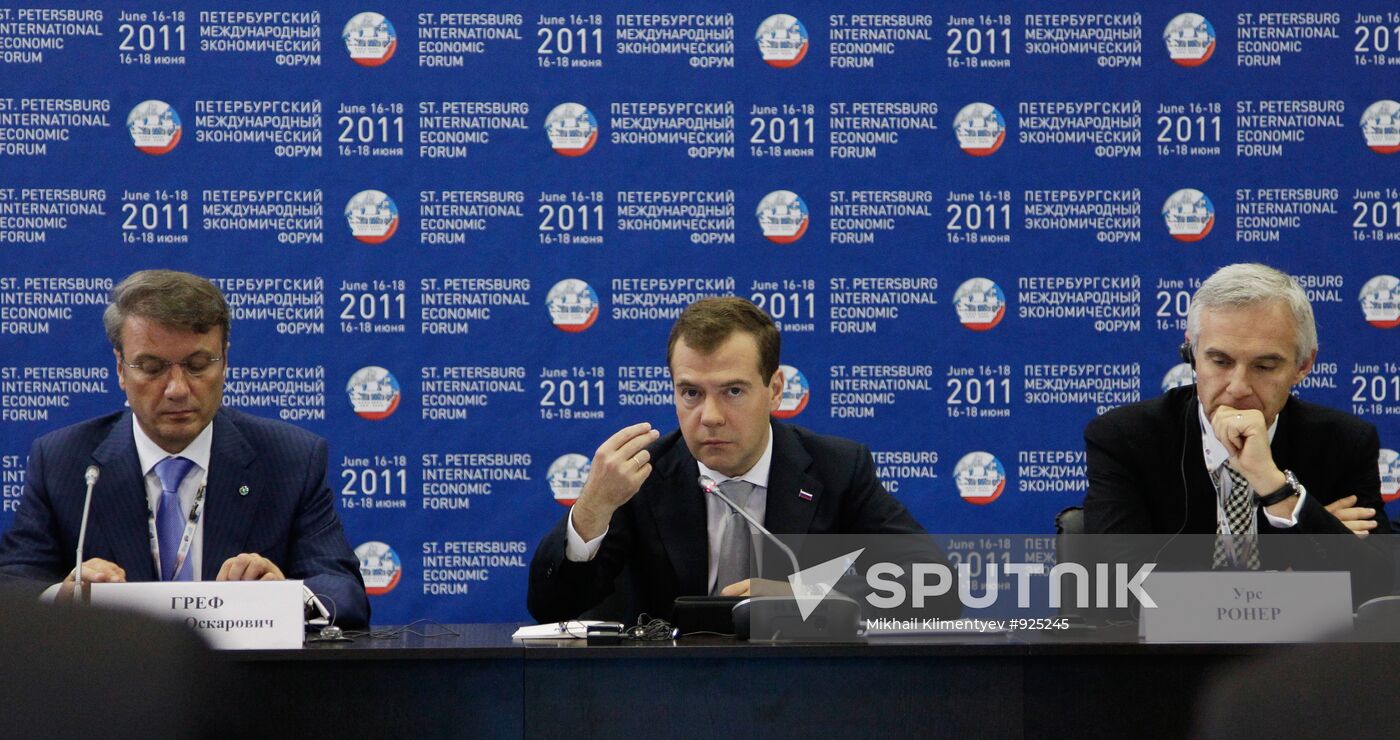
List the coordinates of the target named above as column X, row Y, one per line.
column 605, row 633
column 705, row 614
column 836, row 618
column 1188, row 353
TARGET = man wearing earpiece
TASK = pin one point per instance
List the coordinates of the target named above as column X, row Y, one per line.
column 1236, row 453
column 187, row 490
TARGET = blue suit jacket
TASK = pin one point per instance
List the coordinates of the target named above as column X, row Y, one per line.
column 287, row 515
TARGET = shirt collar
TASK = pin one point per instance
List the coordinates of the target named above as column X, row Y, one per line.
column 1215, row 452
column 757, row 475
column 151, row 453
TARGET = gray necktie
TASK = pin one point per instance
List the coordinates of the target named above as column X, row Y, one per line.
column 1238, row 550
column 736, row 541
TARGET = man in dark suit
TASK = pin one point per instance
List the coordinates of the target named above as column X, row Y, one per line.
column 1139, row 456
column 1236, row 454
column 642, row 508
column 187, row 490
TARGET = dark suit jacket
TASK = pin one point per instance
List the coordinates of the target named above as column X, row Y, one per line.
column 660, row 534
column 1147, row 473
column 287, row 516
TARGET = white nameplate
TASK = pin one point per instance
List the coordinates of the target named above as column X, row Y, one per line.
column 229, row 615
column 1230, row 606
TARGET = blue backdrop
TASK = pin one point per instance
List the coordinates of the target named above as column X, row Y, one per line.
column 455, row 241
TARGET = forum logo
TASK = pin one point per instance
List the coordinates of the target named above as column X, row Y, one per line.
column 980, row 478
column 1190, row 39
column 980, row 129
column 782, row 40
column 980, row 304
column 1380, row 301
column 783, row 216
column 1380, row 124
column 374, row 393
column 372, row 216
column 370, row 39
column 380, row 567
column 572, row 129
column 1390, row 474
column 796, row 393
column 566, row 477
column 154, row 127
column 1180, row 375
column 573, row 305
column 1189, row 215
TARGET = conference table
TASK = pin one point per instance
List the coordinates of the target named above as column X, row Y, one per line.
column 473, row 680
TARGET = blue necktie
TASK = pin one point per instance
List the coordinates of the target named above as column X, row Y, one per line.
column 170, row 519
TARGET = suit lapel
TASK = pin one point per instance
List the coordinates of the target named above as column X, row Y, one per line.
column 680, row 515
column 787, row 511
column 679, row 510
column 119, row 511
column 228, row 513
column 1282, row 445
column 1200, row 491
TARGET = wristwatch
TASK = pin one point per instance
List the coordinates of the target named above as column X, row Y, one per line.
column 1291, row 487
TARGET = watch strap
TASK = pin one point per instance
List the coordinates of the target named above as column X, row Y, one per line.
column 1289, row 489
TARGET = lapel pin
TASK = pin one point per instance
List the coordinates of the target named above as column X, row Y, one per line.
column 804, row 495
column 243, row 491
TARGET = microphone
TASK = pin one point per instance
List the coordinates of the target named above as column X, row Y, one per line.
column 775, row 616
column 90, row 477
column 708, row 485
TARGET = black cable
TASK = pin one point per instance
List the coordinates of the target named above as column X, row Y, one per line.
column 1135, row 609
column 407, row 629
column 651, row 630
column 328, row 633
column 580, row 632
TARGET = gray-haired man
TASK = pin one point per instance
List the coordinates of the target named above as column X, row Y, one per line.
column 1236, row 453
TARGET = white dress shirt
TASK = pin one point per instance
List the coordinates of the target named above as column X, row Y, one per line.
column 715, row 513
column 196, row 452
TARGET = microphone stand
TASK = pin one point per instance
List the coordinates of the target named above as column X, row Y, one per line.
column 90, row 477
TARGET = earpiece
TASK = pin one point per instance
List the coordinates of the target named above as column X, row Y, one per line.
column 1188, row 353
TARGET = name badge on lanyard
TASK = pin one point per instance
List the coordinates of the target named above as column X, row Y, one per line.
column 186, row 539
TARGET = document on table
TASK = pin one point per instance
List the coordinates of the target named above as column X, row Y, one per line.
column 575, row 629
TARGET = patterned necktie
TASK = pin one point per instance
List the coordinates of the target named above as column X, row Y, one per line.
column 1239, row 549
column 736, row 541
column 170, row 519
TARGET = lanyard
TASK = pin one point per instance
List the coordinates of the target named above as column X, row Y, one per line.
column 186, row 539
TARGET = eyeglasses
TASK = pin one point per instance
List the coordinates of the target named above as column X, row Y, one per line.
column 154, row 367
